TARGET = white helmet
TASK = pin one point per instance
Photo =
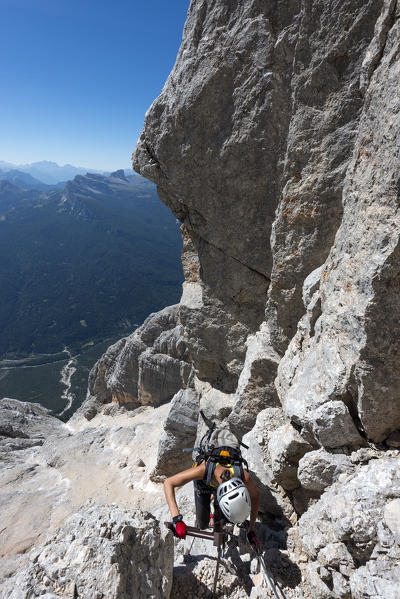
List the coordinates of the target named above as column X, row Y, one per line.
column 234, row 500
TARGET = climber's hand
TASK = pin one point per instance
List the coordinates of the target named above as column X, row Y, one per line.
column 254, row 542
column 179, row 527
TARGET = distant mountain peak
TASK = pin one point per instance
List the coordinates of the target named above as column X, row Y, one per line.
column 119, row 174
column 47, row 171
column 22, row 179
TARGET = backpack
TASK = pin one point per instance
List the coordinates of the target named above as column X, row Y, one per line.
column 219, row 445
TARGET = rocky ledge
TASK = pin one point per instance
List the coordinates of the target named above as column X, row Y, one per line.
column 99, row 552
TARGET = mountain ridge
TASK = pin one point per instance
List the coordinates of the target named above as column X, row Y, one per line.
column 51, row 173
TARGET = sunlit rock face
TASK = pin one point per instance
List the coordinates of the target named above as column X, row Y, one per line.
column 275, row 142
column 348, row 352
column 249, row 143
column 145, row 369
column 211, row 146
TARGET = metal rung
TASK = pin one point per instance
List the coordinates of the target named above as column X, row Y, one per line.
column 218, row 538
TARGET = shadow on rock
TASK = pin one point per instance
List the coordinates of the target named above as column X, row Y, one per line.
column 272, row 533
column 282, row 569
column 187, row 584
column 195, row 578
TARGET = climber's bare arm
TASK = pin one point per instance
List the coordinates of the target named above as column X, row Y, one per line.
column 255, row 499
column 178, row 480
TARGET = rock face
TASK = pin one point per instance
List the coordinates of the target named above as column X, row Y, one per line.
column 350, row 352
column 226, row 86
column 180, row 430
column 100, row 551
column 146, row 368
column 301, row 97
column 275, row 142
column 284, row 102
column 351, row 534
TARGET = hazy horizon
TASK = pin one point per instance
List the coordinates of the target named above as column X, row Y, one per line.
column 4, row 163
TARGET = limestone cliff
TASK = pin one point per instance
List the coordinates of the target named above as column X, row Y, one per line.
column 275, row 142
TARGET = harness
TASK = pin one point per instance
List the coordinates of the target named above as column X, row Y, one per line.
column 228, row 467
column 226, row 456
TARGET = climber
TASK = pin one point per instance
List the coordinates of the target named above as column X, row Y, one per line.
column 235, row 499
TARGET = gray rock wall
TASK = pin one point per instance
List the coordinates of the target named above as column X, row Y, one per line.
column 223, row 185
column 351, row 355
column 252, row 151
column 275, row 142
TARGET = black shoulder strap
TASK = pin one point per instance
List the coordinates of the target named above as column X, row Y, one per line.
column 237, row 465
column 210, row 467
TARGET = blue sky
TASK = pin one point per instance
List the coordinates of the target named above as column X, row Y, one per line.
column 77, row 76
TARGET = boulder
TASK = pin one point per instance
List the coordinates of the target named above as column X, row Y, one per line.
column 256, row 389
column 334, row 427
column 25, row 424
column 272, row 498
column 179, row 433
column 100, row 551
column 320, row 469
column 286, row 447
column 215, row 404
column 336, row 555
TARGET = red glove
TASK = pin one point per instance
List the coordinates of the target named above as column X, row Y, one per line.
column 254, row 542
column 179, row 527
column 180, row 530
